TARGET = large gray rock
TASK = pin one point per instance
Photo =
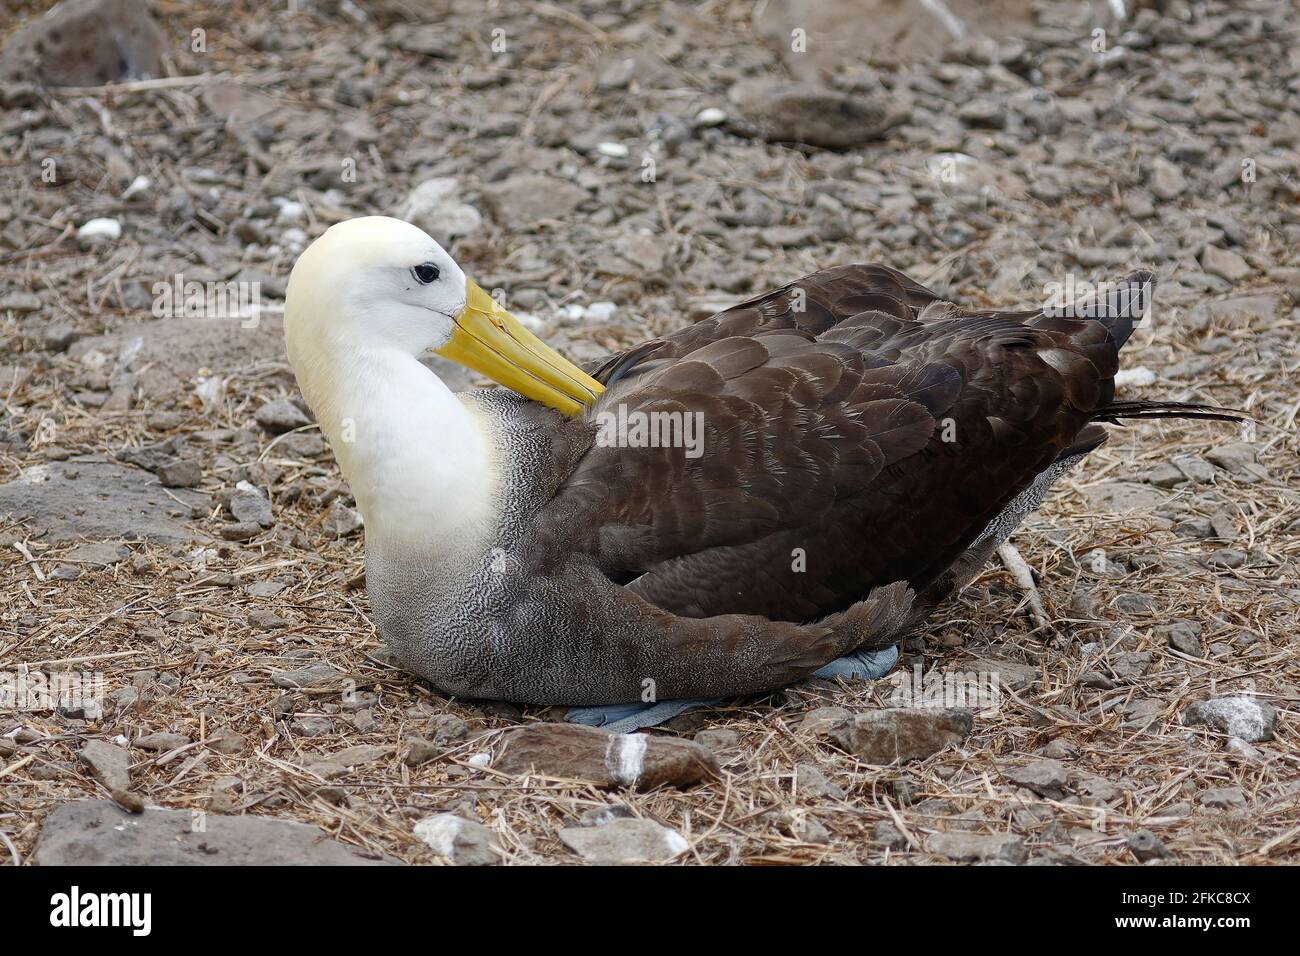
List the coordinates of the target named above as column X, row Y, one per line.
column 1123, row 496
column 1225, row 263
column 1238, row 458
column 340, row 520
column 1166, row 180
column 1243, row 717
column 85, row 43
column 319, row 674
column 111, row 766
column 811, row 782
column 109, row 763
column 819, row 721
column 625, row 841
column 1223, row 798
column 20, row 302
column 1145, row 845
column 1047, row 778
column 97, row 554
column 902, row 733
column 234, row 104
column 1010, row 674
column 281, row 415
column 98, row 833
column 249, row 504
column 161, row 742
column 463, row 842
column 978, row 847
column 94, row 499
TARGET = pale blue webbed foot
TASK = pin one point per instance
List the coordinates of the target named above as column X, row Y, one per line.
column 625, row 718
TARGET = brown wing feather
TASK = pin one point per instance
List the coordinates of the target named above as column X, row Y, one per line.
column 857, row 431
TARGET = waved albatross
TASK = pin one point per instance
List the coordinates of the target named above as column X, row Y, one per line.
column 866, row 446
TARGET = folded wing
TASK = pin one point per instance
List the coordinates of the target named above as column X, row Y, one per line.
column 854, row 430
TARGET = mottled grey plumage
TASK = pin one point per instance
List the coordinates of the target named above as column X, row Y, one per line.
column 853, row 418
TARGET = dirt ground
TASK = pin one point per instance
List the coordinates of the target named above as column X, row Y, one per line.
column 168, row 521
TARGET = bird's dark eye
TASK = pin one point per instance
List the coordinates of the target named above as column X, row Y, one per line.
column 425, row 273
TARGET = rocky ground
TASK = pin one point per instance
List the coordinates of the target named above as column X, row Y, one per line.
column 170, row 518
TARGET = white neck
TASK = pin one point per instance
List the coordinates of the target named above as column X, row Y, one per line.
column 419, row 460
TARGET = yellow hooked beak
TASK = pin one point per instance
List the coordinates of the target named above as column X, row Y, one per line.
column 492, row 342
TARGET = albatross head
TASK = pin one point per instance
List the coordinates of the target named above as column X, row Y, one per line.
column 381, row 282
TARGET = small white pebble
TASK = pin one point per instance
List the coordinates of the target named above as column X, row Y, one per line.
column 200, row 557
column 479, row 759
column 1236, row 745
column 710, row 116
column 294, row 239
column 573, row 312
column 138, row 185
column 615, row 150
column 1117, row 52
column 353, row 12
column 126, row 355
column 1139, row 377
column 601, row 311
column 100, row 229
column 440, row 832
column 291, row 212
column 210, row 390
column 529, row 321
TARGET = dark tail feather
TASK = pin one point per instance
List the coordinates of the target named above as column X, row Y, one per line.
column 1115, row 412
